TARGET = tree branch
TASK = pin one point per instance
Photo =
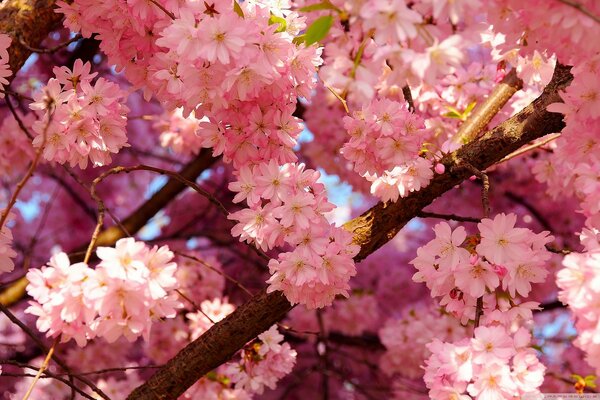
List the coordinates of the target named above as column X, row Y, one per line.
column 28, row 21
column 134, row 222
column 371, row 230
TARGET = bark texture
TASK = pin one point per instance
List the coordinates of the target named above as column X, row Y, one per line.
column 28, row 21
column 371, row 230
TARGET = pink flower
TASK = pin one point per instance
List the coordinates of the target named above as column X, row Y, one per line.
column 474, row 277
column 492, row 344
column 222, row 37
column 500, row 240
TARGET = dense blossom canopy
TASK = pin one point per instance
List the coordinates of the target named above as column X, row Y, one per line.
column 292, row 199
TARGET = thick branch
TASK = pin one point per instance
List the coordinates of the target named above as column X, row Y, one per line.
column 28, row 21
column 371, row 230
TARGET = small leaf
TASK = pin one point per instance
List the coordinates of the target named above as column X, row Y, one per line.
column 274, row 19
column 469, row 108
column 537, row 347
column 577, row 377
column 325, row 5
column 238, row 10
column 590, row 381
column 299, row 39
column 453, row 114
column 318, row 29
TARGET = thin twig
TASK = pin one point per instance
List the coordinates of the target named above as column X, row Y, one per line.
column 340, row 98
column 408, row 97
column 218, row 271
column 41, row 345
column 581, row 8
column 478, row 312
column 17, row 117
column 530, row 147
column 51, row 49
column 43, row 367
column 448, row 217
column 196, row 306
column 9, row 92
column 157, row 4
column 28, row 175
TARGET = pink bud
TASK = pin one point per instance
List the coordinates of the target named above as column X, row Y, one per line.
column 500, row 270
column 440, row 168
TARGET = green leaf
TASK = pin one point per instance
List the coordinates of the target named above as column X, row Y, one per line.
column 453, row 114
column 325, row 5
column 298, row 39
column 537, row 347
column 577, row 377
column 469, row 108
column 274, row 19
column 590, row 381
column 238, row 10
column 318, row 29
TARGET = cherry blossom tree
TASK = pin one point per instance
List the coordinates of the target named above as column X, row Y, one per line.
column 291, row 199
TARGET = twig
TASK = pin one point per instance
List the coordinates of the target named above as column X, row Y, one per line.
column 56, row 359
column 449, row 217
column 323, row 355
column 218, row 271
column 47, row 375
column 196, row 306
column 530, row 147
column 41, row 370
column 51, row 49
column 28, row 175
column 484, row 113
column 18, row 118
column 581, row 8
column 485, row 191
column 9, row 92
column 408, row 97
column 340, row 98
column 157, row 4
column 478, row 312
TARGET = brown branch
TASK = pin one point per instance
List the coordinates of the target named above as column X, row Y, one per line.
column 50, row 49
column 133, row 223
column 581, row 8
column 371, row 230
column 28, row 20
column 484, row 113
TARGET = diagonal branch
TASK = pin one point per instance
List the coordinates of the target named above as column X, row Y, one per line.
column 371, row 230
column 135, row 221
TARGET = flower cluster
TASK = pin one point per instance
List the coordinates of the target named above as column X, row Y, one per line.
column 179, row 132
column 82, row 121
column 263, row 363
column 460, row 270
column 215, row 61
column 579, row 282
column 405, row 339
column 130, row 287
column 287, row 206
column 385, row 143
column 493, row 365
column 211, row 312
column 5, row 71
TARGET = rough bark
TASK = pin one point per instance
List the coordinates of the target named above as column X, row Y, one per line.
column 29, row 21
column 371, row 230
